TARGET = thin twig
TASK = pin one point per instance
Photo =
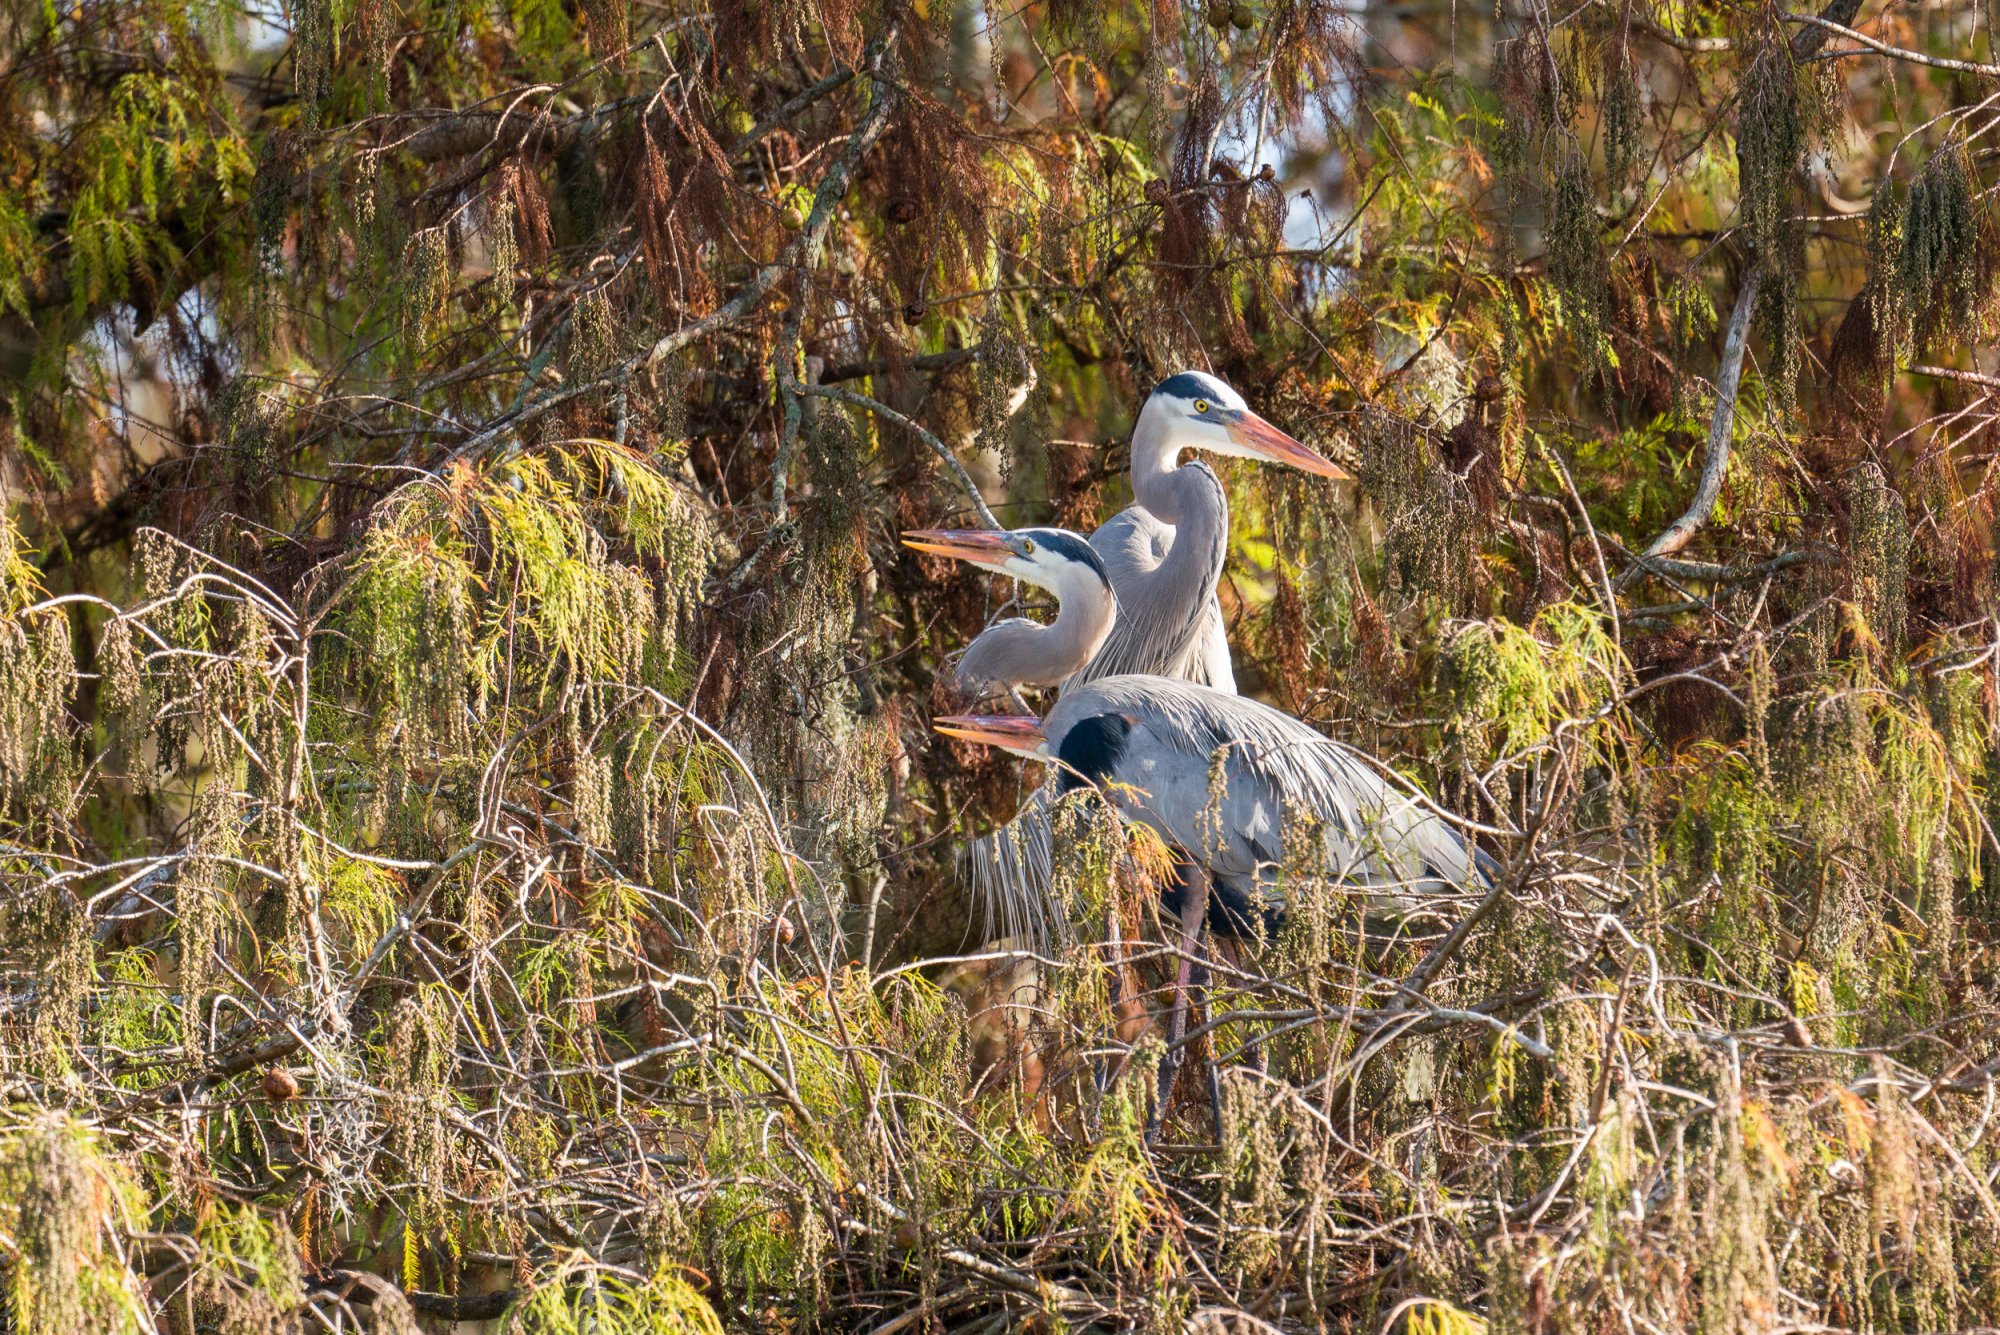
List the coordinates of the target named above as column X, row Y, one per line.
column 938, row 447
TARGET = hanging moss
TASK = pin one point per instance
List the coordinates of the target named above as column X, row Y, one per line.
column 1938, row 280
column 426, row 281
column 318, row 27
column 592, row 341
column 503, row 244
column 1430, row 514
column 1778, row 314
column 1771, row 143
column 1878, row 537
column 421, row 1063
column 1624, row 146
column 1731, row 832
column 416, row 600
column 1738, row 1272
column 36, row 754
column 206, row 909
column 62, row 1200
column 1773, row 135
column 1576, row 263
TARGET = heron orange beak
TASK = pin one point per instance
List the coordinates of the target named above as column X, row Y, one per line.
column 982, row 547
column 1019, row 733
column 1259, row 438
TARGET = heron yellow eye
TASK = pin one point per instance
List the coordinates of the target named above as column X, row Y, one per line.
column 1201, row 405
column 1028, row 546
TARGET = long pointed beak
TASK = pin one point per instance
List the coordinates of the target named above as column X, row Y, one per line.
column 1021, row 733
column 977, row 545
column 1265, row 441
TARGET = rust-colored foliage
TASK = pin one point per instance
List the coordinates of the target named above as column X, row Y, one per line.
column 936, row 193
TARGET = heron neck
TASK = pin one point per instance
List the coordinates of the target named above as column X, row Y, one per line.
column 1156, row 456
column 1189, row 497
column 1019, row 652
column 1084, row 616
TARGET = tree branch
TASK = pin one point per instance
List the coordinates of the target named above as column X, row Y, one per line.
column 804, row 251
column 938, row 447
column 792, row 107
column 1808, row 42
column 1701, row 46
column 1948, row 373
column 1715, row 572
column 930, row 361
column 453, row 134
column 1823, row 27
column 1721, row 426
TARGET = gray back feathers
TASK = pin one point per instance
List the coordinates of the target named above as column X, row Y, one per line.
column 1378, row 832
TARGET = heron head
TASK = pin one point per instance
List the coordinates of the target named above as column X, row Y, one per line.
column 1200, row 412
column 1049, row 558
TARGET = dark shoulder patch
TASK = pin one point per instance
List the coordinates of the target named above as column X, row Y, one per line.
column 1091, row 750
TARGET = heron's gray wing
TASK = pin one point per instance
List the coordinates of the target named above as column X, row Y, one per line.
column 1377, row 831
column 1175, row 632
column 1133, row 541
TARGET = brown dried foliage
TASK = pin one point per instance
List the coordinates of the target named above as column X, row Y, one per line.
column 931, row 182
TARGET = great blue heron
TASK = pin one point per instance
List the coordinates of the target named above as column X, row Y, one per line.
column 1215, row 775
column 1164, row 556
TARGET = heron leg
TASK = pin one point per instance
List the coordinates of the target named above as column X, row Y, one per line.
column 1194, row 912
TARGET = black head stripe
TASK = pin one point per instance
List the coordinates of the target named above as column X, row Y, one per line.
column 1190, row 385
column 1071, row 548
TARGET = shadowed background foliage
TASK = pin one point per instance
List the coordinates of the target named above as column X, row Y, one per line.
column 471, row 845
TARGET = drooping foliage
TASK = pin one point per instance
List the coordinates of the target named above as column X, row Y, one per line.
column 471, row 845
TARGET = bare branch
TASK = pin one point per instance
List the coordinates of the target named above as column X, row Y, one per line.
column 1715, row 463
column 1964, row 377
column 1826, row 26
column 938, row 447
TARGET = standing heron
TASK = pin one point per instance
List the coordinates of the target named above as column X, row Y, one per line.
column 1163, row 556
column 1152, row 745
